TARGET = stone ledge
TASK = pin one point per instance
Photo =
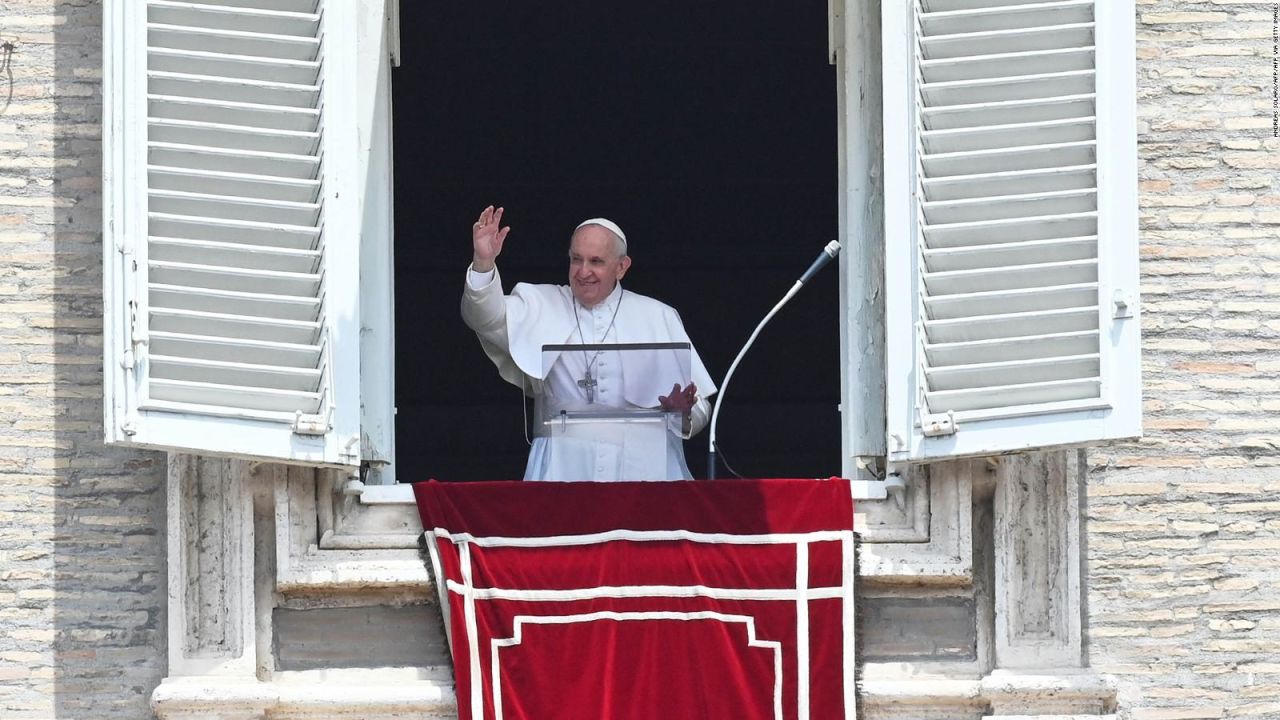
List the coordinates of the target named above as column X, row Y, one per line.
column 365, row 694
column 1047, row 694
column 388, row 693
column 1068, row 691
column 338, row 570
column 1049, row 717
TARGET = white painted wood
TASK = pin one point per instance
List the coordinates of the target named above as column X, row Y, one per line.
column 900, row 223
column 239, row 180
column 239, row 350
column 212, row 134
column 303, row 261
column 233, row 373
column 861, row 217
column 1007, row 64
column 1010, row 223
column 1039, row 133
column 120, row 90
column 376, row 52
column 1117, row 214
column 207, row 63
column 344, row 185
column 835, row 29
column 393, row 31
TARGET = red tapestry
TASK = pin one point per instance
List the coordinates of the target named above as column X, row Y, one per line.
column 729, row 599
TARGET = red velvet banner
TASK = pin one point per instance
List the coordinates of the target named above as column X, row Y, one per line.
column 646, row 601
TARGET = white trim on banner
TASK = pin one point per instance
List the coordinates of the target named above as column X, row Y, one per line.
column 748, row 621
column 642, row 536
column 801, row 594
column 641, row 591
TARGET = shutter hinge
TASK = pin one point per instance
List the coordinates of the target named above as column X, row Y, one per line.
column 938, row 425
column 129, row 361
column 136, row 336
column 304, row 424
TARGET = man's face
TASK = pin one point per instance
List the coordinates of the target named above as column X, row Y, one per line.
column 594, row 265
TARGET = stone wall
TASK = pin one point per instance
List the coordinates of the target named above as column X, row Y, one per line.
column 1184, row 527
column 82, row 568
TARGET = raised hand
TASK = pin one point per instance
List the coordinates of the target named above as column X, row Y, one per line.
column 487, row 236
column 679, row 400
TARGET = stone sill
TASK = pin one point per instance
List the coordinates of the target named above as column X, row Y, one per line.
column 339, row 571
column 367, row 538
column 384, row 694
column 1048, row 694
column 399, row 494
column 1054, row 716
column 388, row 693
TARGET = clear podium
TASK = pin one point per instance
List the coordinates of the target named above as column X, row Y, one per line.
column 599, row 413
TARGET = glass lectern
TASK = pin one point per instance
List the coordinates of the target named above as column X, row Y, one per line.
column 600, row 414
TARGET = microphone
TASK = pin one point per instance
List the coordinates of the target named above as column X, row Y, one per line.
column 828, row 253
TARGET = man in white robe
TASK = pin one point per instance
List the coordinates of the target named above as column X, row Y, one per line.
column 593, row 309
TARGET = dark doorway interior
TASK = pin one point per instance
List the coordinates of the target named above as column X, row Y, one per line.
column 707, row 130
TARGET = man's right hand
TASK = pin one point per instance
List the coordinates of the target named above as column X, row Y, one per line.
column 487, row 236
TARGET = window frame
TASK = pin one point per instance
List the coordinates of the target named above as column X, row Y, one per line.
column 360, row 166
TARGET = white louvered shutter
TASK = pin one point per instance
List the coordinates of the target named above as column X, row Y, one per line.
column 1011, row 225
column 232, row 239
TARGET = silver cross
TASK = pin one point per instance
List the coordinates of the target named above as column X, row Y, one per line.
column 589, row 383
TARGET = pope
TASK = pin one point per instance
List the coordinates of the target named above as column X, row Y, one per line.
column 593, row 309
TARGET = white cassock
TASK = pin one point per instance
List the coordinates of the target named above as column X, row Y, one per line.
column 513, row 330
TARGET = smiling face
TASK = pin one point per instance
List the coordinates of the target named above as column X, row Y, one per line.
column 596, row 264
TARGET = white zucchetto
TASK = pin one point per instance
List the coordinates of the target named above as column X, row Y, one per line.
column 609, row 225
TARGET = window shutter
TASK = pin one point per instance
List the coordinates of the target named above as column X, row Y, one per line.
column 1011, row 225
column 232, row 233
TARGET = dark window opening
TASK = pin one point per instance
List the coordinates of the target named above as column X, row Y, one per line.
column 706, row 130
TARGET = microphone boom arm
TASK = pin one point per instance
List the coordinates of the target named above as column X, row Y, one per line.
column 830, row 251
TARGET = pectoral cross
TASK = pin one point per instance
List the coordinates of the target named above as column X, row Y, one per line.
column 589, row 383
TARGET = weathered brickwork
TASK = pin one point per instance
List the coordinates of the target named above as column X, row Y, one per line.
column 82, row 570
column 1184, row 527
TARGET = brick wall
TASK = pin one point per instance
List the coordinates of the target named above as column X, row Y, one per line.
column 82, row 578
column 1184, row 527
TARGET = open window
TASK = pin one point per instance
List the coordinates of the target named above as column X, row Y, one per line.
column 249, row 265
column 706, row 130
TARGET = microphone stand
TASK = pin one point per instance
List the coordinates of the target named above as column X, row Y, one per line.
column 830, row 251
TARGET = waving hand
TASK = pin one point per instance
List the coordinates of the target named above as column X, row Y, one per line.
column 487, row 236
